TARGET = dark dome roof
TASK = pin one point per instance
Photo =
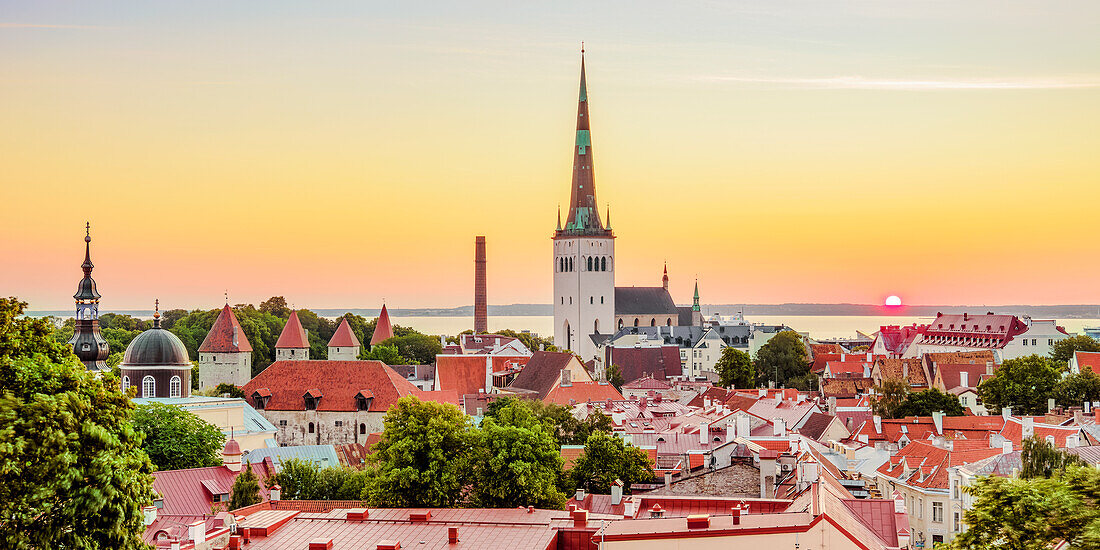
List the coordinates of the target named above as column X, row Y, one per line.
column 156, row 347
column 85, row 290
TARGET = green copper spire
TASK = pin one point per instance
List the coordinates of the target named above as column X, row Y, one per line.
column 695, row 301
column 583, row 218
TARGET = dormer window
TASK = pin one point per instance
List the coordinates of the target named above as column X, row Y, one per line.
column 260, row 398
column 312, row 398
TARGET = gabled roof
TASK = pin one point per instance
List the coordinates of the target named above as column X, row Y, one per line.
column 339, row 381
column 816, row 425
column 465, row 374
column 226, row 336
column 383, row 330
column 921, row 464
column 897, row 368
column 647, row 383
column 343, row 337
column 582, row 392
column 644, row 300
column 188, row 492
column 845, row 387
column 1088, row 360
column 293, row 335
column 659, row 362
column 542, row 372
column 951, row 374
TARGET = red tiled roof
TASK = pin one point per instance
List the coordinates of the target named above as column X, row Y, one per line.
column 343, row 337
column 827, row 348
column 715, row 394
column 660, row 362
column 1088, row 360
column 189, row 492
column 647, row 383
column 220, row 338
column 582, row 392
column 339, row 382
column 383, row 330
column 845, row 387
column 951, row 374
column 896, row 368
column 987, row 331
column 293, row 335
column 816, row 425
column 927, row 464
column 465, row 374
column 542, row 372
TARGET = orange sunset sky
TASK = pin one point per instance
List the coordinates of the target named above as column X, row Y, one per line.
column 340, row 153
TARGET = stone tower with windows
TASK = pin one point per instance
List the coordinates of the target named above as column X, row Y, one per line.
column 225, row 356
column 88, row 344
column 584, row 253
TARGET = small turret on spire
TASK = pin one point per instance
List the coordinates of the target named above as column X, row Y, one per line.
column 87, row 265
column 695, row 300
column 664, row 279
column 156, row 313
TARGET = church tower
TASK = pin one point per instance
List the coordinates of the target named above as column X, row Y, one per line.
column 88, row 344
column 584, row 253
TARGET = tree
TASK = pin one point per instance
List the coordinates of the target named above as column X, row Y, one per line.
column 226, row 388
column 605, row 459
column 419, row 349
column 1032, row 514
column 1063, row 349
column 735, row 369
column 516, row 464
column 1024, row 384
column 531, row 341
column 385, row 354
column 305, row 480
column 423, row 456
column 176, row 439
column 1042, row 459
column 1075, row 389
column 891, row 395
column 615, row 377
column 246, row 489
column 275, row 305
column 926, row 402
column 72, row 472
column 783, row 356
column 559, row 420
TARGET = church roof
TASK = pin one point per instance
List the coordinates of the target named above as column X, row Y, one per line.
column 383, row 330
column 344, row 337
column 226, row 336
column 293, row 335
column 583, row 217
column 644, row 300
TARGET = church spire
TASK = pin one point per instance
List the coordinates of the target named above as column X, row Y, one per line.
column 695, row 300
column 664, row 279
column 583, row 217
column 88, row 344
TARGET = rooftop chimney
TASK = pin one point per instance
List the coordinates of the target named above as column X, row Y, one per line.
column 580, row 519
column 736, row 513
column 743, row 425
column 389, row 545
column 698, row 521
column 630, row 508
column 937, row 419
column 704, row 433
column 481, row 305
column 197, row 532
column 878, row 423
column 150, row 513
column 579, row 496
column 1006, row 447
column 566, row 378
column 779, row 427
column 616, row 492
column 452, row 535
column 1028, row 428
column 767, row 473
column 964, row 379
column 320, row 544
column 275, row 493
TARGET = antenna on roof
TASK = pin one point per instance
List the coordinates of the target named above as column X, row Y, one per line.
column 227, row 296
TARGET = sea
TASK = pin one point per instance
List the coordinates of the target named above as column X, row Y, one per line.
column 818, row 326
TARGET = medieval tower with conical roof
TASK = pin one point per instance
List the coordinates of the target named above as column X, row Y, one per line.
column 584, row 253
column 225, row 356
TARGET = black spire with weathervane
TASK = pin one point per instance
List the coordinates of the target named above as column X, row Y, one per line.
column 88, row 344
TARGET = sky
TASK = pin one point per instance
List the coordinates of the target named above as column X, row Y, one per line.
column 345, row 153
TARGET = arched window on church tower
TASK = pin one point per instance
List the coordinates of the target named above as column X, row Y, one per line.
column 603, row 263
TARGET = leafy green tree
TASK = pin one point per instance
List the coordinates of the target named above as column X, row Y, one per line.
column 72, row 472
column 419, row 349
column 423, row 457
column 1024, row 384
column 305, row 480
column 891, row 395
column 1042, row 459
column 246, row 489
column 924, row 403
column 516, row 464
column 1063, row 349
column 784, row 356
column 1032, row 514
column 176, row 439
column 1075, row 389
column 275, row 305
column 806, row 382
column 735, row 369
column 605, row 459
column 531, row 341
column 226, row 388
column 615, row 377
column 559, row 420
column 383, row 353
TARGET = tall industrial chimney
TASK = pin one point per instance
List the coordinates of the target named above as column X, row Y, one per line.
column 481, row 305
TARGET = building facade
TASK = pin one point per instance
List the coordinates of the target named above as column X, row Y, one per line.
column 156, row 363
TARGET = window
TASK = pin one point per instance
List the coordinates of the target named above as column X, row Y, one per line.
column 591, row 299
column 282, row 423
column 1034, row 342
column 1025, row 341
column 339, row 423
column 635, row 321
column 603, row 264
column 937, row 512
column 363, row 430
column 920, row 508
column 125, row 383
column 213, row 357
column 174, row 387
column 601, row 299
column 148, row 387
column 311, row 427
column 955, row 522
column 570, row 300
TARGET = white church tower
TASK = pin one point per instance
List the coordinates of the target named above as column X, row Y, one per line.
column 584, row 254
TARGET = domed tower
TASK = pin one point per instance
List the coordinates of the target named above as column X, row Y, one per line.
column 88, row 344
column 157, row 363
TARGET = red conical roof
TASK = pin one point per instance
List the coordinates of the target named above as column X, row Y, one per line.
column 220, row 338
column 383, row 330
column 344, row 337
column 293, row 335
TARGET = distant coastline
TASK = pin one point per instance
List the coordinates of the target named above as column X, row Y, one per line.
column 1079, row 311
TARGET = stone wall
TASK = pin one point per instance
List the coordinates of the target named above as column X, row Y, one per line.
column 293, row 426
column 224, row 368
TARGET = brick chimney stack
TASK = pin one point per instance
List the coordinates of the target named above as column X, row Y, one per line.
column 481, row 305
